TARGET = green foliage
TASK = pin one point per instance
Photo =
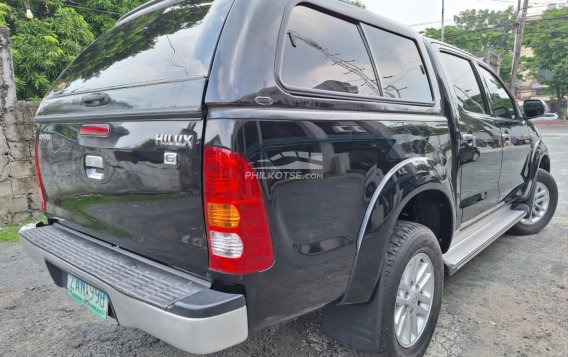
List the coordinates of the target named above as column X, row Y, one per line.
column 358, row 3
column 548, row 38
column 60, row 29
column 479, row 19
column 476, row 29
column 42, row 48
column 10, row 233
column 6, row 12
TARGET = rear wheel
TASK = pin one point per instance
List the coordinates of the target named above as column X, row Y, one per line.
column 401, row 316
column 414, row 300
column 410, row 291
column 543, row 208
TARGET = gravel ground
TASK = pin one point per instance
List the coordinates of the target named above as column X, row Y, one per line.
column 511, row 300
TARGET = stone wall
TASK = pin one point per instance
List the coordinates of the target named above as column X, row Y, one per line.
column 19, row 195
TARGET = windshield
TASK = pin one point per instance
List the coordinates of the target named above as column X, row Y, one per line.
column 170, row 43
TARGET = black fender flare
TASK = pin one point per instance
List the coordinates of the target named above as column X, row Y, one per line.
column 400, row 185
column 533, row 164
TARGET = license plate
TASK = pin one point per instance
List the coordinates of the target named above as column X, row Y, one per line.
column 86, row 294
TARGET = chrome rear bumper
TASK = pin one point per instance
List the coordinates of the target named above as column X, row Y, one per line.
column 177, row 308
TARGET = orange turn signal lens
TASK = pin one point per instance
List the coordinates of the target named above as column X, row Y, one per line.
column 223, row 215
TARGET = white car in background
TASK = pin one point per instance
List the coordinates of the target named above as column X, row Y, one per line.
column 547, row 116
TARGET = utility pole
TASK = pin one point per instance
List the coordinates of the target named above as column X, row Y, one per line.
column 443, row 18
column 518, row 45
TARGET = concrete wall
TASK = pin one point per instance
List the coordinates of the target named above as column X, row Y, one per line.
column 19, row 195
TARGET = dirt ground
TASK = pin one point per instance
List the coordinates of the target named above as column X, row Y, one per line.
column 511, row 300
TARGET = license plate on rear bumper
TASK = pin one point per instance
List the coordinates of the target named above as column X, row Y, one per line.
column 86, row 294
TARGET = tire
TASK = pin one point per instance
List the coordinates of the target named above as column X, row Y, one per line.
column 546, row 188
column 369, row 328
column 409, row 241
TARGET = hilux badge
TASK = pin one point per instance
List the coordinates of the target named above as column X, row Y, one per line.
column 180, row 141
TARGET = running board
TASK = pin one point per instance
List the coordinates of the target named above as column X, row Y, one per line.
column 478, row 236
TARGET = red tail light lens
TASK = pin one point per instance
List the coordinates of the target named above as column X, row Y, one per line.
column 237, row 223
column 38, row 177
column 101, row 130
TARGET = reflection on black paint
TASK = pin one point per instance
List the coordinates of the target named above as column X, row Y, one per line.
column 466, row 87
column 176, row 41
column 142, row 204
column 481, row 159
column 356, row 156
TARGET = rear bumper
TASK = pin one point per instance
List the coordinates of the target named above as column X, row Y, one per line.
column 177, row 308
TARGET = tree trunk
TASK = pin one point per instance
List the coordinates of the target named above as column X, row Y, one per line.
column 7, row 82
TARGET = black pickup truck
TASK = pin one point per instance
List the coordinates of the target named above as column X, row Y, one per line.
column 210, row 168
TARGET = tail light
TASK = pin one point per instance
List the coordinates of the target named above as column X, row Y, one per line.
column 237, row 224
column 38, row 177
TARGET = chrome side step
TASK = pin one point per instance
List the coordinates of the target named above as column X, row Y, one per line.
column 473, row 239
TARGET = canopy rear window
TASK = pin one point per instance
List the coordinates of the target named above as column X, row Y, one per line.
column 173, row 42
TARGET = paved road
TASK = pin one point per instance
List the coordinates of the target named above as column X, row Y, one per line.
column 510, row 300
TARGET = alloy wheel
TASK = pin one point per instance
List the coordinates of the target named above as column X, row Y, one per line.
column 414, row 300
column 540, row 205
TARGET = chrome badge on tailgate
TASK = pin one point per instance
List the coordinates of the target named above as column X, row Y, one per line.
column 180, row 141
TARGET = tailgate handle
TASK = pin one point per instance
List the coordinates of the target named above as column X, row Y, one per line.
column 95, row 100
column 94, row 167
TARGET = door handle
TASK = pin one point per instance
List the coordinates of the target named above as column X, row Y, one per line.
column 95, row 100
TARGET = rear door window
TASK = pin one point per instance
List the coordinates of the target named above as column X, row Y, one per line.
column 173, row 42
column 325, row 53
column 401, row 71
column 465, row 84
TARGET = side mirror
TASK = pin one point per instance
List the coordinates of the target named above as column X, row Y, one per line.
column 502, row 112
column 534, row 108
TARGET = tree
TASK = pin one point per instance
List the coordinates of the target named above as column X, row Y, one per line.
column 42, row 49
column 5, row 12
column 358, row 3
column 548, row 38
column 60, row 29
column 476, row 29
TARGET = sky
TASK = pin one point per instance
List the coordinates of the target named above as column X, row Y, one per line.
column 413, row 12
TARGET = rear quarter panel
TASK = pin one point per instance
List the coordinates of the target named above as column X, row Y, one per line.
column 316, row 205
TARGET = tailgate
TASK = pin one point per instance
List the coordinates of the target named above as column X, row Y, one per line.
column 121, row 189
column 119, row 142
